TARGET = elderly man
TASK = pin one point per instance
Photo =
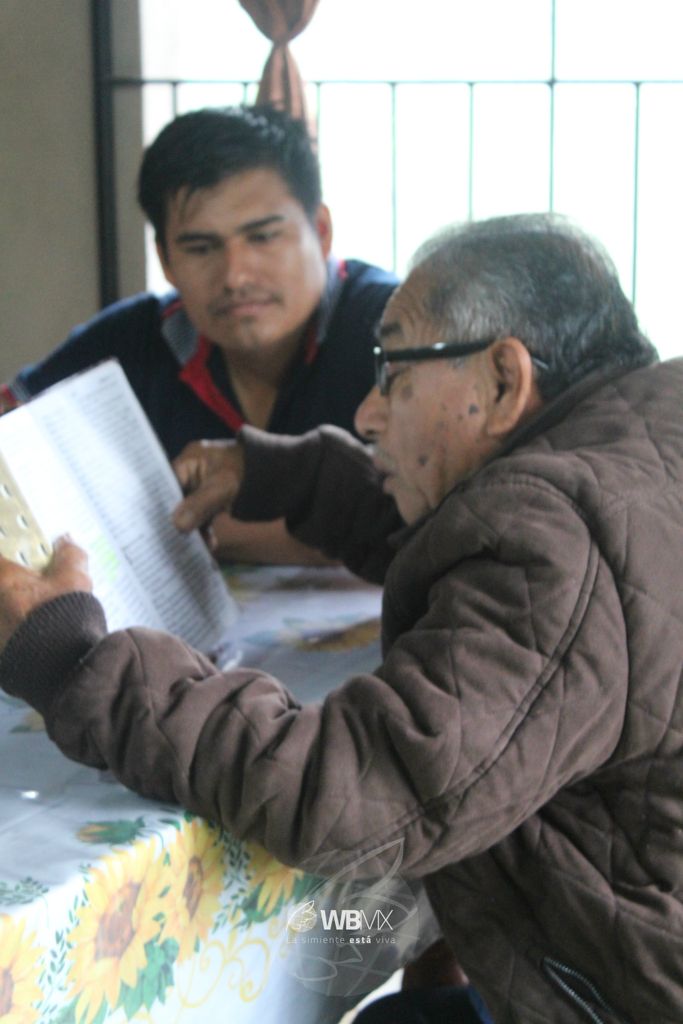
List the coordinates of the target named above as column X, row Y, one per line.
column 523, row 737
column 263, row 325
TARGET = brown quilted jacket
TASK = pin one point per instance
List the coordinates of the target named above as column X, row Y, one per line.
column 523, row 738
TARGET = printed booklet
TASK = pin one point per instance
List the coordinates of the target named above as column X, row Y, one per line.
column 82, row 458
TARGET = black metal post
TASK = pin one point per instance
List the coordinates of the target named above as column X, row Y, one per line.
column 104, row 151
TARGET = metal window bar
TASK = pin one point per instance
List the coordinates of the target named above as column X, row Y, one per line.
column 636, row 193
column 104, row 152
column 551, row 147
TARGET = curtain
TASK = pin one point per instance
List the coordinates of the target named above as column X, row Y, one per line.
column 280, row 21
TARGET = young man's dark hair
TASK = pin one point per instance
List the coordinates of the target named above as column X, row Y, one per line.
column 202, row 148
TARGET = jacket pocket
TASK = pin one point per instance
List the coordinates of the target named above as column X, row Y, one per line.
column 582, row 992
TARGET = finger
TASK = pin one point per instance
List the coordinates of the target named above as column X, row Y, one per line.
column 188, row 472
column 68, row 567
column 210, row 538
column 213, row 496
column 188, row 465
column 200, row 458
column 11, row 572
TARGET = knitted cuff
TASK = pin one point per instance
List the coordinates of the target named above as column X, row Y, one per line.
column 48, row 645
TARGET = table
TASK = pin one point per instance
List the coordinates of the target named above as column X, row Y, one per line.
column 116, row 908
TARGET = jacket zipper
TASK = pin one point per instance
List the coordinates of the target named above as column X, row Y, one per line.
column 570, row 980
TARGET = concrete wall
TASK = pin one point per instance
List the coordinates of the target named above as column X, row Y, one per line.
column 48, row 221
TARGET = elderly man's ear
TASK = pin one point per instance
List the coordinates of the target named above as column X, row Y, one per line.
column 512, row 391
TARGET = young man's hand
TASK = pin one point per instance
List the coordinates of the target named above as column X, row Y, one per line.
column 210, row 474
column 22, row 589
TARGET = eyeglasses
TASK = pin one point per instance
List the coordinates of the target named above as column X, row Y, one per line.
column 442, row 350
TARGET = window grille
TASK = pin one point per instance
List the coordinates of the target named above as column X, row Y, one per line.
column 401, row 157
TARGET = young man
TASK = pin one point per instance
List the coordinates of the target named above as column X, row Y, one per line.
column 522, row 740
column 263, row 326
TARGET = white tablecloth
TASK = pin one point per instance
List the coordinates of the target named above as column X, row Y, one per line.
column 115, row 908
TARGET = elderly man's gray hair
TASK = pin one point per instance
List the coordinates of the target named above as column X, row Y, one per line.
column 540, row 279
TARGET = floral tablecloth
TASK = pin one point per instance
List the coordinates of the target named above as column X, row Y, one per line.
column 114, row 908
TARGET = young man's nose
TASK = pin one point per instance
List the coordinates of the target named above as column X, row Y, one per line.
column 237, row 267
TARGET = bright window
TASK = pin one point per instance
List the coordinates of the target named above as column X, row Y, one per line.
column 443, row 110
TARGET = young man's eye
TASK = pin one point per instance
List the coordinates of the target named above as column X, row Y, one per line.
column 261, row 237
column 198, row 249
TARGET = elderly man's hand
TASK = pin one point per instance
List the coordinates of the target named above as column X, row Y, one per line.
column 22, row 590
column 210, row 474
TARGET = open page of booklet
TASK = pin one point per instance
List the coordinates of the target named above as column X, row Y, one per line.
column 82, row 459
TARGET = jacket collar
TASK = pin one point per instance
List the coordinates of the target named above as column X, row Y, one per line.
column 558, row 408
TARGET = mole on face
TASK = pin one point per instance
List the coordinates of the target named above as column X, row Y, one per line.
column 473, row 410
column 422, row 460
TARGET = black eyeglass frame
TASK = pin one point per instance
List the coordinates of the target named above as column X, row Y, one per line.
column 442, row 350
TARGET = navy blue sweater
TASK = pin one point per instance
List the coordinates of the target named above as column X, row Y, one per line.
column 180, row 378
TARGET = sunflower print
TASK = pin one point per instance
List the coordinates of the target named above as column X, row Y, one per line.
column 20, row 967
column 273, row 882
column 119, row 916
column 195, row 874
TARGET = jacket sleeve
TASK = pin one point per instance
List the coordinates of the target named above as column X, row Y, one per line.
column 325, row 485
column 496, row 697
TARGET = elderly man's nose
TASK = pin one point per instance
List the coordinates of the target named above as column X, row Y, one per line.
column 371, row 415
